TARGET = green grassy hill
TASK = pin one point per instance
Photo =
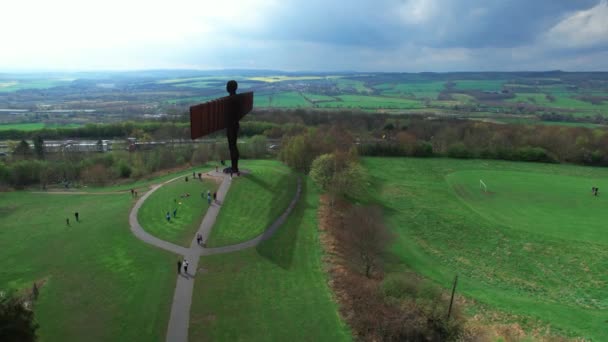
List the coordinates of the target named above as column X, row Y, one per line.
column 190, row 210
column 102, row 284
column 253, row 202
column 534, row 247
column 275, row 292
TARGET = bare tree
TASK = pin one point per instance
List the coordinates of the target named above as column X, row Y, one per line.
column 364, row 238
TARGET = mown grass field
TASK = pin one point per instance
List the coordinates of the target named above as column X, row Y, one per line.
column 372, row 102
column 418, row 89
column 190, row 210
column 14, row 85
column 275, row 292
column 561, row 101
column 534, row 249
column 253, row 202
column 487, row 85
column 102, row 284
column 33, row 126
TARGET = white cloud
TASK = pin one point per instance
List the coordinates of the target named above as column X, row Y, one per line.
column 43, row 32
column 586, row 28
column 418, row 11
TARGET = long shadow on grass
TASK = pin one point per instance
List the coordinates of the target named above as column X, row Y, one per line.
column 259, row 181
column 279, row 249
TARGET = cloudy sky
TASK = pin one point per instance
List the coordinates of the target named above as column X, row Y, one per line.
column 314, row 35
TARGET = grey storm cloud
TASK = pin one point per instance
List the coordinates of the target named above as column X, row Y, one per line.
column 388, row 23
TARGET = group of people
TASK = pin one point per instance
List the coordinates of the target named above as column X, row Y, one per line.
column 209, row 196
column 199, row 240
column 168, row 215
column 594, row 190
column 194, row 174
column 133, row 193
column 182, row 264
column 76, row 215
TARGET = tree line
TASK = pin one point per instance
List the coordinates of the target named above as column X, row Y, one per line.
column 31, row 167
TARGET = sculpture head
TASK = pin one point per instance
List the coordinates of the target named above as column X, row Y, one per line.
column 231, row 87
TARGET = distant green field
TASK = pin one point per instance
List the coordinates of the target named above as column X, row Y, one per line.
column 428, row 90
column 561, row 101
column 102, row 284
column 272, row 79
column 546, row 123
column 281, row 100
column 318, row 97
column 487, row 85
column 34, row 126
column 192, row 100
column 371, row 102
column 275, row 292
column 345, row 84
column 254, row 202
column 534, row 246
column 14, row 85
column 190, row 210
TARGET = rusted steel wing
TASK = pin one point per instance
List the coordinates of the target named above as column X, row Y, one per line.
column 208, row 117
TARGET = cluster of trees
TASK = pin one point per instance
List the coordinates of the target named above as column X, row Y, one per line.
column 17, row 321
column 151, row 129
column 27, row 167
column 379, row 306
column 470, row 139
column 300, row 150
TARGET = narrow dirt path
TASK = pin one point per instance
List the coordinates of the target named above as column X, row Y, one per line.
column 179, row 320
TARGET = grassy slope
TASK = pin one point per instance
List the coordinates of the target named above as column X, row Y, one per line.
column 558, row 206
column 190, row 211
column 529, row 274
column 275, row 292
column 103, row 283
column 253, row 202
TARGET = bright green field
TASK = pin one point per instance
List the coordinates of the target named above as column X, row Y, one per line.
column 8, row 86
column 318, row 97
column 275, row 292
column 562, row 101
column 253, row 202
column 371, row 102
column 345, row 84
column 558, row 206
column 487, row 85
column 34, row 126
column 288, row 100
column 418, row 89
column 102, row 283
column 535, row 247
column 190, row 210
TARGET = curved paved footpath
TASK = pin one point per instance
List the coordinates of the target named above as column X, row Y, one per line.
column 179, row 321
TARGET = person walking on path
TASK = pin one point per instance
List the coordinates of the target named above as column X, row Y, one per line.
column 185, row 266
column 168, row 216
column 209, row 198
column 215, row 196
column 76, row 215
column 199, row 238
column 179, row 266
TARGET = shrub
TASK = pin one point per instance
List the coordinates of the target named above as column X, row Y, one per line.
column 459, row 150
